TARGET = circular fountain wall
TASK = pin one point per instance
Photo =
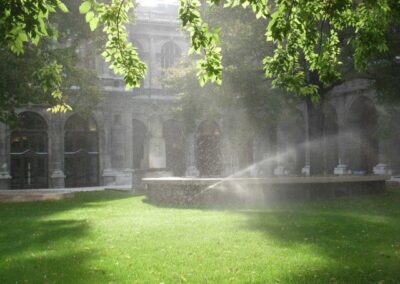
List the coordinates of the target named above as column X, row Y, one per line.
column 190, row 191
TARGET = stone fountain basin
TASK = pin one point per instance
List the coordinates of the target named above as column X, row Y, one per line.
column 188, row 191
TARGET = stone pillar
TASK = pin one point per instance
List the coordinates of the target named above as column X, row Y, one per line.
column 191, row 169
column 306, row 170
column 343, row 139
column 382, row 168
column 157, row 151
column 56, row 151
column 157, row 158
column 106, row 150
column 118, row 139
column 5, row 178
column 152, row 63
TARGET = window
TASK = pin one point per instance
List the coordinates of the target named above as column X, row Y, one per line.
column 29, row 155
column 170, row 53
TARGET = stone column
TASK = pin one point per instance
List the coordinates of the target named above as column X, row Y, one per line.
column 157, row 151
column 157, row 158
column 191, row 169
column 306, row 170
column 342, row 142
column 382, row 168
column 56, row 151
column 106, row 150
column 5, row 178
column 152, row 63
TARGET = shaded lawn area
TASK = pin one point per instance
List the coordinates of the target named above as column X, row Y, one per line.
column 114, row 237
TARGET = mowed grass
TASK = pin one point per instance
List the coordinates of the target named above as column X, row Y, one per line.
column 114, row 237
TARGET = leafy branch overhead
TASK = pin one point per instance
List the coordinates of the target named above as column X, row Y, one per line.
column 118, row 50
column 307, row 36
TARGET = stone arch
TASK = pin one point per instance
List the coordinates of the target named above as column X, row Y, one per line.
column 139, row 132
column 170, row 53
column 362, row 121
column 29, row 152
column 173, row 133
column 81, row 151
column 330, row 139
column 208, row 148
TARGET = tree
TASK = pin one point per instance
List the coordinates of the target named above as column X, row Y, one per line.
column 44, row 72
column 244, row 88
column 310, row 37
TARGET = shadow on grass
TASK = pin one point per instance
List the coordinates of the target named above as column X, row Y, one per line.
column 360, row 242
column 36, row 249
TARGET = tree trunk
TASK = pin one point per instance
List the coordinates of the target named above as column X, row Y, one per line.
column 316, row 118
column 316, row 123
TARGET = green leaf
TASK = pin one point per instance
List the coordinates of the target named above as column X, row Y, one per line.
column 85, row 7
column 93, row 24
column 62, row 7
column 89, row 16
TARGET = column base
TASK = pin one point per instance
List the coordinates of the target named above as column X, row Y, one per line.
column 5, row 180
column 280, row 171
column 157, row 173
column 57, row 179
column 382, row 169
column 306, row 170
column 192, row 171
column 341, row 169
column 109, row 177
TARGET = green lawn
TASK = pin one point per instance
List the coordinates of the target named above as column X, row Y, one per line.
column 114, row 237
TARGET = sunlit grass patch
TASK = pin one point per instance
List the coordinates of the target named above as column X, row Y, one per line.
column 116, row 237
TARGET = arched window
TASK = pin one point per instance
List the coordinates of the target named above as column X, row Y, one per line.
column 170, row 53
column 29, row 154
column 81, row 152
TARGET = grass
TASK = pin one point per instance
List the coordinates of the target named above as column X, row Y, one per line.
column 113, row 237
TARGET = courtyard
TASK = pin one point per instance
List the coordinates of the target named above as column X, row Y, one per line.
column 118, row 237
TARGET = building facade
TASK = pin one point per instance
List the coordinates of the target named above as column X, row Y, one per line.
column 133, row 131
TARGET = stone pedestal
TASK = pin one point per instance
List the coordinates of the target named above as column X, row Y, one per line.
column 157, row 173
column 157, row 159
column 382, row 169
column 57, row 179
column 109, row 177
column 191, row 170
column 306, row 170
column 124, row 177
column 341, row 169
column 5, row 180
column 280, row 171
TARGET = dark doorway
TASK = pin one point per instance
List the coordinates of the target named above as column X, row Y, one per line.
column 208, row 152
column 81, row 152
column 29, row 154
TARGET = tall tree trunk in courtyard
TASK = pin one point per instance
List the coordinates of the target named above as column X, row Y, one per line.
column 316, row 118
column 316, row 122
